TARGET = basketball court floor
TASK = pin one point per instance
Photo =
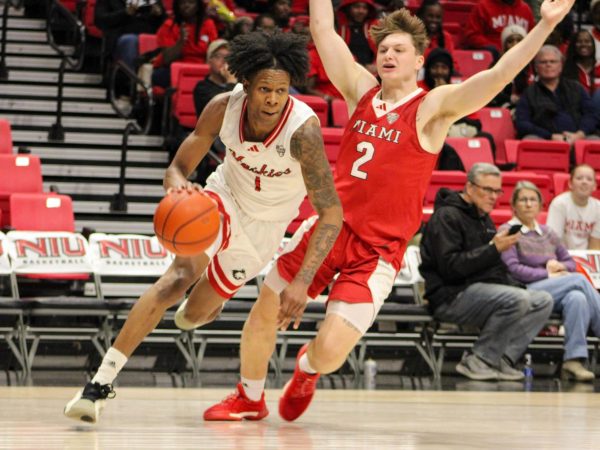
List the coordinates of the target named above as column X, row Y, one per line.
column 166, row 418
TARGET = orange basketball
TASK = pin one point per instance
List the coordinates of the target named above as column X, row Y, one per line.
column 186, row 223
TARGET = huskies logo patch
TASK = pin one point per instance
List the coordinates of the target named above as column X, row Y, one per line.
column 239, row 274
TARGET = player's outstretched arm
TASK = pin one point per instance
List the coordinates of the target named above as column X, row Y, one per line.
column 307, row 147
column 456, row 101
column 349, row 77
column 197, row 144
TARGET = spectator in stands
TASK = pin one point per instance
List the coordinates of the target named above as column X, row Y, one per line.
column 489, row 17
column 354, row 20
column 554, row 107
column 389, row 6
column 580, row 64
column 595, row 16
column 438, row 69
column 431, row 13
column 281, row 10
column 218, row 80
column 122, row 21
column 318, row 82
column 467, row 283
column 241, row 25
column 509, row 96
column 184, row 38
column 265, row 23
column 561, row 35
column 574, row 215
column 254, row 6
column 540, row 261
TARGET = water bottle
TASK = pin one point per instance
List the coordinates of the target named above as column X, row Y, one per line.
column 528, row 371
column 370, row 373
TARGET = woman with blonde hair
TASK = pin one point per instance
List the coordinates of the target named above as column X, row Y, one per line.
column 540, row 261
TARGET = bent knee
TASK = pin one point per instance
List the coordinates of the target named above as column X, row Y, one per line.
column 174, row 284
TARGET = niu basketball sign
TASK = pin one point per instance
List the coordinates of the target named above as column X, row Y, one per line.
column 47, row 252
column 589, row 260
column 4, row 261
column 116, row 254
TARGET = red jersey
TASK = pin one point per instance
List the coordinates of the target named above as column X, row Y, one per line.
column 382, row 173
column 194, row 51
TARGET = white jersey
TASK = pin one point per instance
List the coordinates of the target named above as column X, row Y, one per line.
column 574, row 224
column 263, row 177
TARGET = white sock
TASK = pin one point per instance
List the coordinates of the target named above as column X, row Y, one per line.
column 253, row 388
column 305, row 366
column 112, row 363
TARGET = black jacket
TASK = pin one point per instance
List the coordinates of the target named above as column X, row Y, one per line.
column 456, row 250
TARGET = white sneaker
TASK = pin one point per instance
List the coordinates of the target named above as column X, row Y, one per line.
column 88, row 403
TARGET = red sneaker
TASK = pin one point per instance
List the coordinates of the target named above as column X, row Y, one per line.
column 237, row 407
column 298, row 392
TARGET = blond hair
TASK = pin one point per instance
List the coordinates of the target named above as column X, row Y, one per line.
column 401, row 21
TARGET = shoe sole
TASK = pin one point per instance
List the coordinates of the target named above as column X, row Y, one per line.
column 570, row 376
column 83, row 410
column 519, row 377
column 467, row 373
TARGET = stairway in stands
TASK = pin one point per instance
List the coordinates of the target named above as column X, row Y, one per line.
column 86, row 165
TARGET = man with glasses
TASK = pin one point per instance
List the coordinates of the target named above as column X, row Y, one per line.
column 467, row 283
column 554, row 107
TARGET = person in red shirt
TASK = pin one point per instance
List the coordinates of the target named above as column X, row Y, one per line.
column 318, row 82
column 581, row 64
column 387, row 154
column 490, row 17
column 431, row 13
column 185, row 37
column 354, row 20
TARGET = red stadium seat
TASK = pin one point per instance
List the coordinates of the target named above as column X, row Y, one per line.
column 184, row 77
column 339, row 112
column 42, row 212
column 457, row 11
column 452, row 179
column 472, row 61
column 332, row 138
column 498, row 122
column 20, row 173
column 588, row 152
column 319, row 106
column 500, row 216
column 306, row 210
column 472, row 150
column 71, row 5
column 510, row 179
column 6, row 144
column 541, row 156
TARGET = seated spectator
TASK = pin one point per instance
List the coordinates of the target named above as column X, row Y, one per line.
column 509, row 96
column 241, row 25
column 354, row 19
column 265, row 23
column 218, row 80
column 595, row 17
column 580, row 64
column 574, row 215
column 121, row 22
column 183, row 38
column 541, row 262
column 431, row 13
column 467, row 283
column 554, row 107
column 438, row 68
column 489, row 17
column 318, row 82
column 281, row 10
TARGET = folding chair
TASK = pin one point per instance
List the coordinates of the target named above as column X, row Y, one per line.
column 332, row 138
column 6, row 144
column 498, row 122
column 472, row 150
column 318, row 105
column 20, row 173
column 452, row 179
column 472, row 61
column 184, row 77
column 588, row 152
column 339, row 112
column 542, row 156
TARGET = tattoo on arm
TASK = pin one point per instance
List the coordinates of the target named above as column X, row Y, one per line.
column 324, row 238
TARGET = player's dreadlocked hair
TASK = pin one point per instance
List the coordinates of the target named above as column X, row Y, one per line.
column 253, row 52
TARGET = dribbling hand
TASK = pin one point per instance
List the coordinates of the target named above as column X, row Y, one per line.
column 187, row 186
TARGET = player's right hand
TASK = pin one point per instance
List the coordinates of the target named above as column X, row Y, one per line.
column 503, row 241
column 187, row 186
column 293, row 303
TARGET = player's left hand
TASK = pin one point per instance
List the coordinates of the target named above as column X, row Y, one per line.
column 553, row 11
column 293, row 302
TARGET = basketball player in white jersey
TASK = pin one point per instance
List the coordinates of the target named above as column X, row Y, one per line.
column 275, row 156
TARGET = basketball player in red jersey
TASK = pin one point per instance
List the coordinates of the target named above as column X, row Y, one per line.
column 274, row 158
column 387, row 154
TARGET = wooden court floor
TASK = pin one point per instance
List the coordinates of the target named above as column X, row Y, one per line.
column 165, row 418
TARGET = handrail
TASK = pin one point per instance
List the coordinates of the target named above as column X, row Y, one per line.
column 136, row 82
column 119, row 201
column 56, row 9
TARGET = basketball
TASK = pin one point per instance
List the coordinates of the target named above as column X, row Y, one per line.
column 186, row 223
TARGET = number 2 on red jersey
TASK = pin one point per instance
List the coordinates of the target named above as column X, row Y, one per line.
column 369, row 150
